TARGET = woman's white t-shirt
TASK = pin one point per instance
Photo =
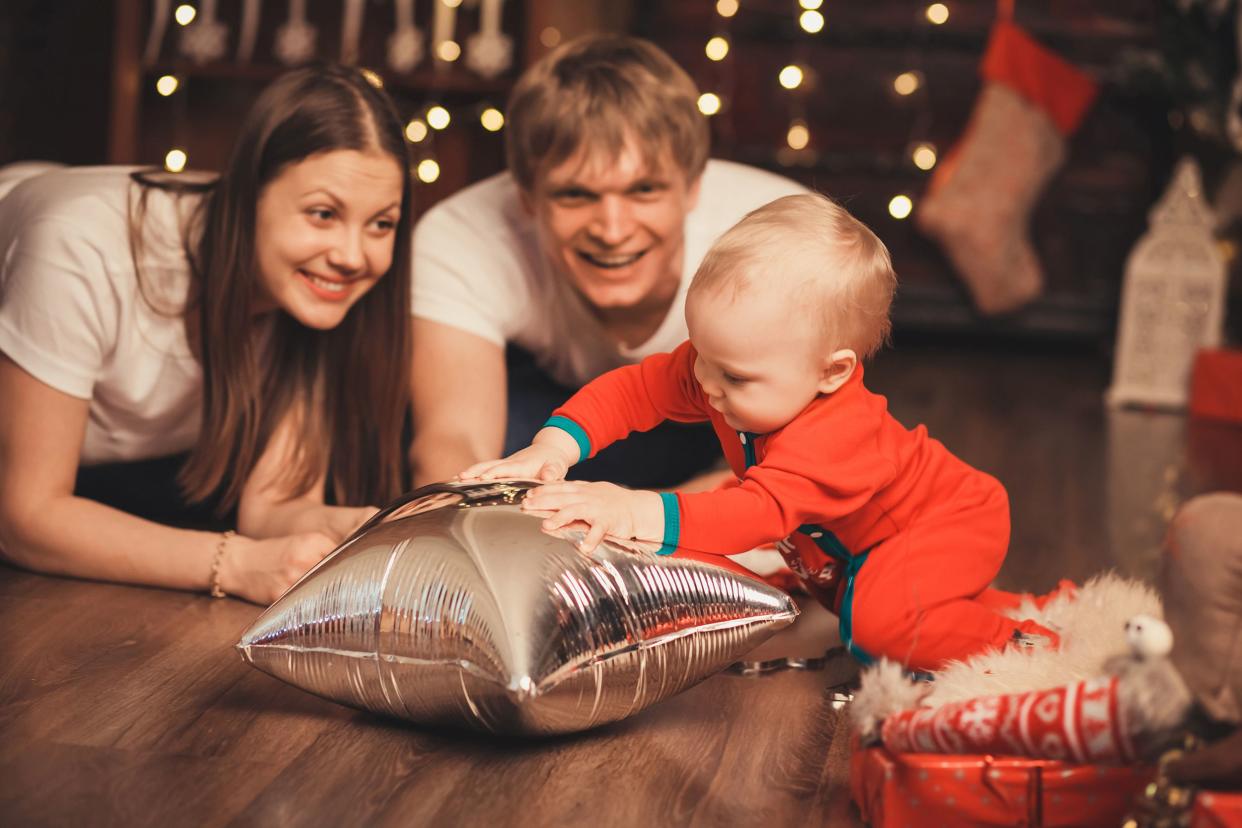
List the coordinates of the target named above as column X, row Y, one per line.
column 74, row 316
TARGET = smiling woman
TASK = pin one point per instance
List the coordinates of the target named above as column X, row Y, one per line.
column 249, row 331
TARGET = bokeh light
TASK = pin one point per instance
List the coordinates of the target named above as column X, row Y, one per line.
column 709, row 103
column 175, row 160
column 438, row 117
column 900, row 206
column 791, row 77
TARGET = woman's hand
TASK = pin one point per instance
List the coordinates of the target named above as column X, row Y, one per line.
column 607, row 508
column 261, row 570
column 548, row 457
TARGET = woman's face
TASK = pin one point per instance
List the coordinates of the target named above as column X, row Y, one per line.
column 324, row 233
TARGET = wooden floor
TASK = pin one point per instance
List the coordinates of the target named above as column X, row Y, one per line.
column 125, row 706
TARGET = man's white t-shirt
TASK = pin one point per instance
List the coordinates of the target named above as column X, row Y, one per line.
column 72, row 313
column 478, row 267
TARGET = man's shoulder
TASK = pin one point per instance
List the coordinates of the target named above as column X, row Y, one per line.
column 486, row 208
column 730, row 190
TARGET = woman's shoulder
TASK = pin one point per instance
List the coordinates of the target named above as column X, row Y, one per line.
column 93, row 206
column 70, row 193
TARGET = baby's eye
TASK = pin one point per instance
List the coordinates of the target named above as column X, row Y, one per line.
column 734, row 380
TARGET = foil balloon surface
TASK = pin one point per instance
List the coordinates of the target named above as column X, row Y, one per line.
column 452, row 607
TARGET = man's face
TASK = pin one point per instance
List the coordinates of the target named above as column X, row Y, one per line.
column 614, row 227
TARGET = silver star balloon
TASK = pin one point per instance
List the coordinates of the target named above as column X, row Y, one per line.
column 453, row 607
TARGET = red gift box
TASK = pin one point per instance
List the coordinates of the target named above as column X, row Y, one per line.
column 1216, row 385
column 896, row 790
column 1216, row 810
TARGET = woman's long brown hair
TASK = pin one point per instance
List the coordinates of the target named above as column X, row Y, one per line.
column 346, row 388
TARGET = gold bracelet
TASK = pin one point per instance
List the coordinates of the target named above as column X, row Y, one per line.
column 214, row 589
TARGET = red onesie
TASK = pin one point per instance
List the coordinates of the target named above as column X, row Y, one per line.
column 917, row 534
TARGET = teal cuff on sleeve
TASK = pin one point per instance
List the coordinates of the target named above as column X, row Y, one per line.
column 573, row 430
column 672, row 523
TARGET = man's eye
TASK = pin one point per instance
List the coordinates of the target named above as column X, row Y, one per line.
column 573, row 196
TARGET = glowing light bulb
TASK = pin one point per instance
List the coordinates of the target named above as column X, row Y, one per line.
column 166, row 85
column 550, row 36
column 899, row 206
column 175, row 160
column 924, row 156
column 811, row 21
column 907, row 83
column 798, row 136
column 938, row 13
column 185, row 14
column 791, row 77
column 726, row 8
column 438, row 117
column 810, row 5
column 448, row 50
column 372, row 77
column 492, row 119
column 428, row 170
column 709, row 103
column 416, row 130
column 717, row 48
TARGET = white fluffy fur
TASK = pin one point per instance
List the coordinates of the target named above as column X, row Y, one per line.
column 884, row 691
column 1092, row 626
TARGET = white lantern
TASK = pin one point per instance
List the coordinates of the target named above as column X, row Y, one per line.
column 1172, row 300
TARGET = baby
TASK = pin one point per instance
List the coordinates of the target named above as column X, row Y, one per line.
column 881, row 523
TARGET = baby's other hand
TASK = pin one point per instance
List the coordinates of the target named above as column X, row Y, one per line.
column 531, row 463
column 608, row 510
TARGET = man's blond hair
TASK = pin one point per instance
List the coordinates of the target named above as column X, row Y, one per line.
column 594, row 93
column 827, row 262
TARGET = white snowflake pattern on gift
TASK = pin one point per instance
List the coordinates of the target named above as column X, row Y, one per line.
column 979, row 719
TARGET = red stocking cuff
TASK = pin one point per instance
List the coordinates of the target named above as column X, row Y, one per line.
column 1049, row 82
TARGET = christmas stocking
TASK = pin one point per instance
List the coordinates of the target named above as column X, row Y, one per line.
column 980, row 199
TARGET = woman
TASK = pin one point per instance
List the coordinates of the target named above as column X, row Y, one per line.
column 259, row 320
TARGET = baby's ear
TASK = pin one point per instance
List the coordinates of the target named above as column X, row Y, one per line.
column 838, row 368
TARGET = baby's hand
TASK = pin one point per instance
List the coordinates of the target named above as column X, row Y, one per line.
column 548, row 457
column 606, row 508
column 531, row 463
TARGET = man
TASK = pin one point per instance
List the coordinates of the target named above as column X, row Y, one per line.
column 573, row 262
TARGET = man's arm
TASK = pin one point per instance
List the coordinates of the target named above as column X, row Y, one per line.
column 459, row 398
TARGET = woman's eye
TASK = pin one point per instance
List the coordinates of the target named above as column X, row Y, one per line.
column 385, row 225
column 321, row 213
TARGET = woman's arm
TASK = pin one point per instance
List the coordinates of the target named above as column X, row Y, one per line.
column 267, row 508
column 44, row 527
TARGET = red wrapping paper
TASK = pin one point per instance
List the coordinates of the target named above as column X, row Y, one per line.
column 1216, row 810
column 1079, row 722
column 918, row 789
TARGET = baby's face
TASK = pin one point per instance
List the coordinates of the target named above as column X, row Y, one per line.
column 759, row 361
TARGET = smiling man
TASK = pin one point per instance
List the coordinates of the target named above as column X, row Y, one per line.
column 575, row 261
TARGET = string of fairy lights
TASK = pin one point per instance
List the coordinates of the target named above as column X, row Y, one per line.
column 434, row 117
column 792, row 76
column 420, row 130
